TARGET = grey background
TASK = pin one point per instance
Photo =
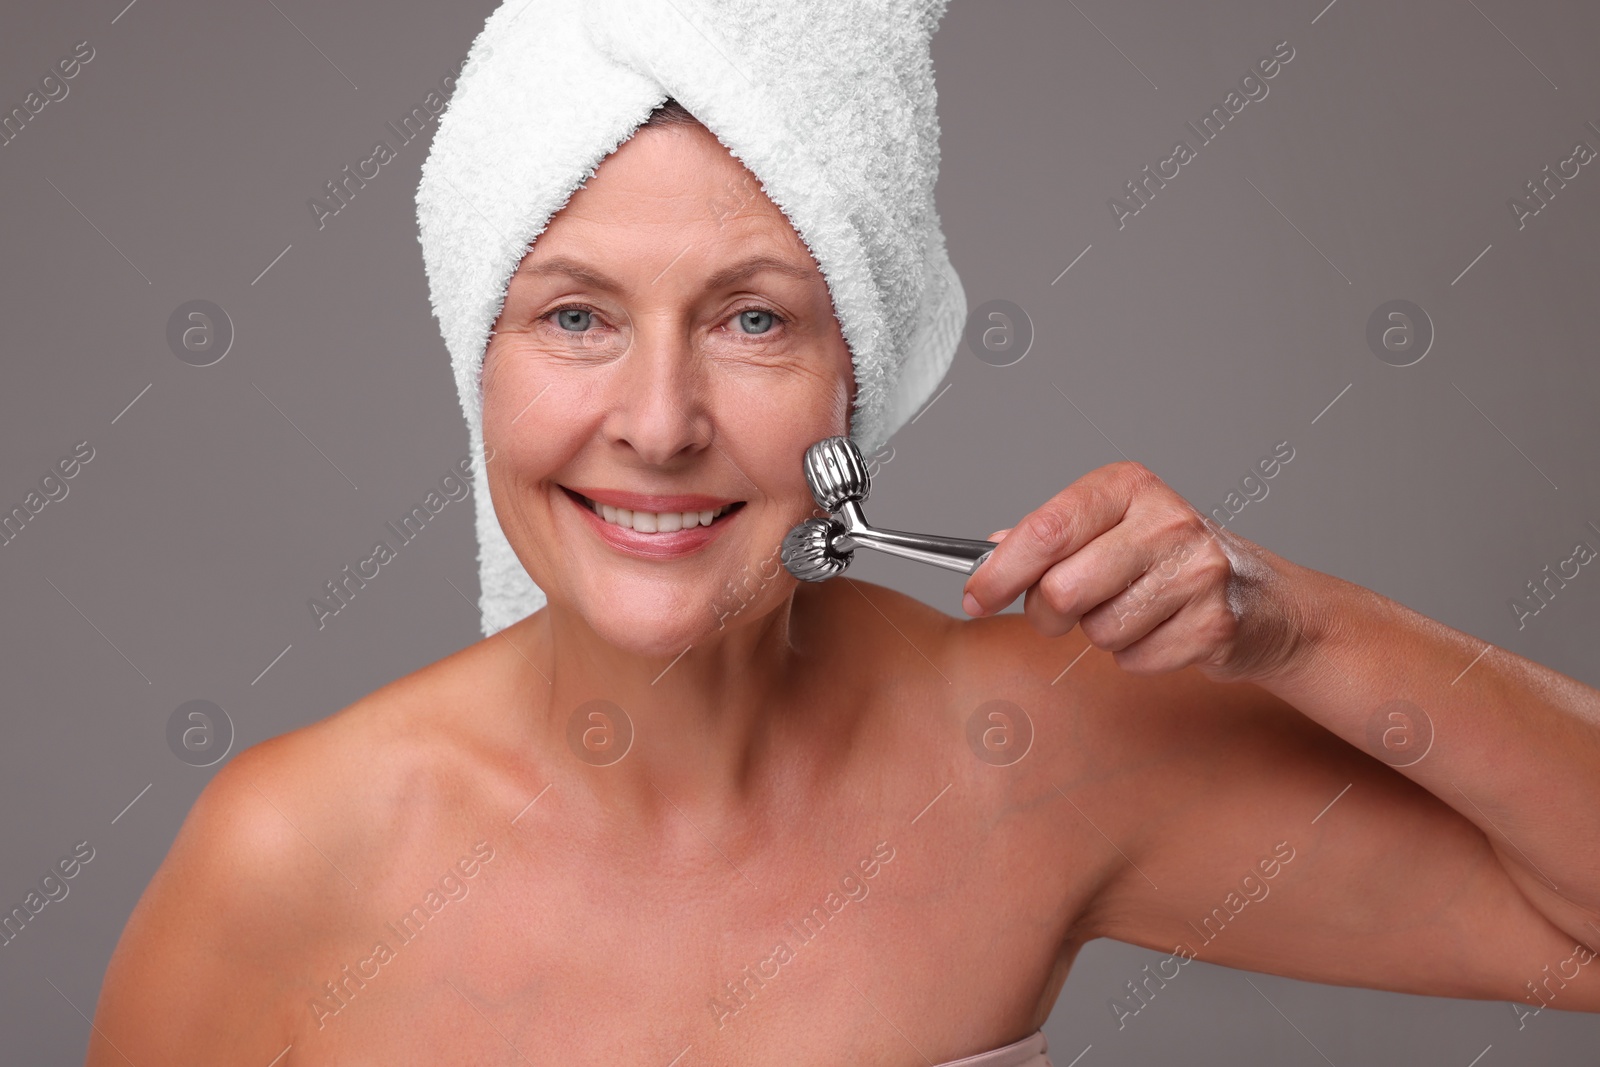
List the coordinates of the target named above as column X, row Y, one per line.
column 1222, row 319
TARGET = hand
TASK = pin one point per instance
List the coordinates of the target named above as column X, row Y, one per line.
column 1147, row 577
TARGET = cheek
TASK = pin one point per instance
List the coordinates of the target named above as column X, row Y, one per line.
column 810, row 393
column 508, row 383
column 770, row 421
column 528, row 411
column 528, row 433
column 793, row 403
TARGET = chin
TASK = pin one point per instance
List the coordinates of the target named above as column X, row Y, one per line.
column 652, row 620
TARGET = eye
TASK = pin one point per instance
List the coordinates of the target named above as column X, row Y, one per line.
column 756, row 320
column 573, row 319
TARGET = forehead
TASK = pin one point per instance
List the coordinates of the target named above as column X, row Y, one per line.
column 670, row 183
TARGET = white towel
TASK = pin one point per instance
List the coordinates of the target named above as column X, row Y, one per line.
column 829, row 103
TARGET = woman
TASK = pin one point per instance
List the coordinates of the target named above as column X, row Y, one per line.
column 637, row 826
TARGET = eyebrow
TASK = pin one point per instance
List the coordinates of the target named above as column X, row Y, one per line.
column 581, row 272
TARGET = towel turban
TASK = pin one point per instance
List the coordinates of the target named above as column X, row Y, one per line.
column 829, row 103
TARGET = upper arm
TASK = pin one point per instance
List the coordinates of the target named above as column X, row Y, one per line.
column 1257, row 839
column 199, row 974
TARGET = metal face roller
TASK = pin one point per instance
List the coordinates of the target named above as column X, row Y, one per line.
column 819, row 549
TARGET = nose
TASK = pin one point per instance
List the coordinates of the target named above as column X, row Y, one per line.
column 659, row 403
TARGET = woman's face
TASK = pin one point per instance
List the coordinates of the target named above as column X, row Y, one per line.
column 667, row 347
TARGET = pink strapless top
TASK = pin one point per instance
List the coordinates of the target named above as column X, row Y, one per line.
column 1029, row 1052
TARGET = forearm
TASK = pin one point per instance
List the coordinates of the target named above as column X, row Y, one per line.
column 1513, row 746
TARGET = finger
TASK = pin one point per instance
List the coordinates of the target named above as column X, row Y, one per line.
column 1135, row 612
column 1103, row 570
column 1071, row 519
column 1188, row 584
column 1190, row 636
column 1192, row 569
column 971, row 606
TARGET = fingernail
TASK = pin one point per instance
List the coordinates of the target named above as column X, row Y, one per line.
column 971, row 605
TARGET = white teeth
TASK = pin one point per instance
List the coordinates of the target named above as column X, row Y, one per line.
column 657, row 522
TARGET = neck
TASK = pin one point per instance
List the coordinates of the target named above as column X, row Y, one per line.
column 650, row 733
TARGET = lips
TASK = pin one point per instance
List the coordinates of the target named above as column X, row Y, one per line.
column 661, row 544
column 652, row 522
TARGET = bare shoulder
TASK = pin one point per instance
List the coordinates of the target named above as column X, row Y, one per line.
column 1000, row 657
column 864, row 611
column 312, row 808
column 1102, row 744
column 278, row 852
column 1123, row 717
column 998, row 688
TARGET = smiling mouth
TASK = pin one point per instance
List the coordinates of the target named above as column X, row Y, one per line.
column 653, row 522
